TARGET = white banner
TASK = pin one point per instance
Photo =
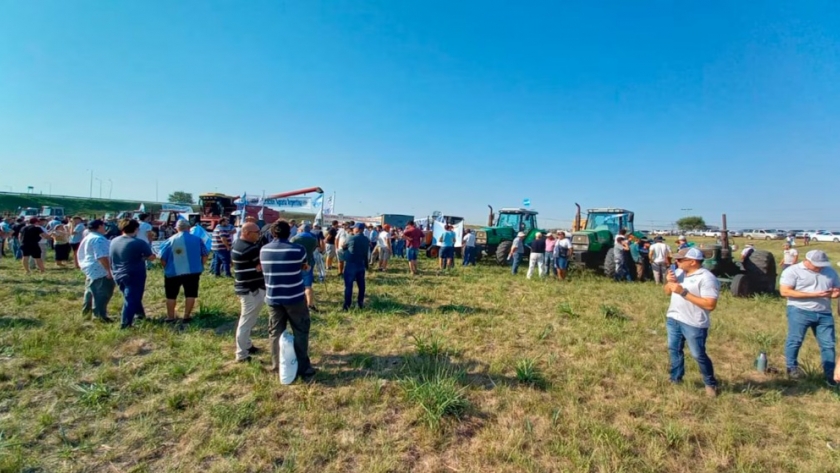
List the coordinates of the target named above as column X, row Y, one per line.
column 295, row 204
column 440, row 228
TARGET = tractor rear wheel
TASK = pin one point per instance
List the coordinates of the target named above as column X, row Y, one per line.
column 760, row 268
column 502, row 252
column 740, row 286
column 609, row 264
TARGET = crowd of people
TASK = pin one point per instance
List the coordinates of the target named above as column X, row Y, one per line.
column 276, row 266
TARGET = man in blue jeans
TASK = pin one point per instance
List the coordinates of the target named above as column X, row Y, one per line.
column 809, row 287
column 128, row 265
column 356, row 250
column 222, row 242
column 694, row 293
column 517, row 249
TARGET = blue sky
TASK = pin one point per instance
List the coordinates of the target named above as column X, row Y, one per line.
column 409, row 107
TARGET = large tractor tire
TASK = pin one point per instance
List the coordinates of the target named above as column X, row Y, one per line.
column 760, row 267
column 609, row 264
column 740, row 286
column 432, row 252
column 502, row 252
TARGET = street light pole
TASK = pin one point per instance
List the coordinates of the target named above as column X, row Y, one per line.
column 100, row 187
column 110, row 187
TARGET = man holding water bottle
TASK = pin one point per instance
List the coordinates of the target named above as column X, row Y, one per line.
column 694, row 293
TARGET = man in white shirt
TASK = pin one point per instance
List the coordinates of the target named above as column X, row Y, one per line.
column 145, row 231
column 809, row 287
column 383, row 243
column 790, row 258
column 341, row 238
column 694, row 293
column 469, row 248
column 660, row 259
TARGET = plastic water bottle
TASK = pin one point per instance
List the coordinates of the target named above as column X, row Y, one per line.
column 761, row 362
column 288, row 358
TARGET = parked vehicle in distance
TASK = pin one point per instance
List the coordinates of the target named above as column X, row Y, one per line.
column 711, row 233
column 761, row 234
column 826, row 236
column 798, row 233
column 735, row 233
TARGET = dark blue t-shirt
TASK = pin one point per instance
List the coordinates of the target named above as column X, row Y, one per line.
column 128, row 257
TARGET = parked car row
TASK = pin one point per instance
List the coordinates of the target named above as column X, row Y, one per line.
column 758, row 234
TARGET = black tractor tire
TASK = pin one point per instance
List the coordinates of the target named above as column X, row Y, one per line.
column 761, row 269
column 502, row 252
column 740, row 286
column 609, row 264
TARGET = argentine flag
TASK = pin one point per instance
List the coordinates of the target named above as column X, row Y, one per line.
column 200, row 232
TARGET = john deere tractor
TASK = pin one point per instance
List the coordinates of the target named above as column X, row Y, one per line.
column 495, row 240
column 593, row 242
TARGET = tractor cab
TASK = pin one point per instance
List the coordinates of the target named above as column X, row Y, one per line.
column 592, row 244
column 611, row 220
column 215, row 206
column 520, row 220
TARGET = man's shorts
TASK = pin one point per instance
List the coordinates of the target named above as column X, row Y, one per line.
column 561, row 263
column 33, row 251
column 75, row 246
column 447, row 252
column 342, row 256
column 412, row 254
column 384, row 254
column 330, row 250
column 308, row 277
column 172, row 285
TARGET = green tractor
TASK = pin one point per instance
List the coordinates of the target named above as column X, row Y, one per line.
column 592, row 241
column 495, row 240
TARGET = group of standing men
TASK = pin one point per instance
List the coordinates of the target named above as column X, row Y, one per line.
column 549, row 254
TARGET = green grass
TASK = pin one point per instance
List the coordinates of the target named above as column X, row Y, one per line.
column 472, row 370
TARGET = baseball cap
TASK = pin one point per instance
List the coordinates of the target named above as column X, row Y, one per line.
column 658, row 238
column 818, row 258
column 94, row 224
column 520, row 234
column 306, row 227
column 681, row 238
column 360, row 226
column 690, row 253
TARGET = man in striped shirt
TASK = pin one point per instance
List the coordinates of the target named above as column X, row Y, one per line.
column 221, row 247
column 249, row 287
column 282, row 264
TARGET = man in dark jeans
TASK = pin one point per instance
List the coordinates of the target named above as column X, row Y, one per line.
column 282, row 264
column 356, row 257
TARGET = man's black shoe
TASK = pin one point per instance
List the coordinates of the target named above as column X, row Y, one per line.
column 253, row 350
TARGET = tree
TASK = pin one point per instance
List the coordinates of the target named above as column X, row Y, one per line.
column 691, row 223
column 181, row 197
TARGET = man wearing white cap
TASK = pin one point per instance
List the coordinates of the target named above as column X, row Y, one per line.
column 694, row 293
column 517, row 249
column 809, row 287
column 682, row 243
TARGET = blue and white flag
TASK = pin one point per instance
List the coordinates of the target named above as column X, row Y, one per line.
column 328, row 207
column 200, row 232
column 526, row 202
column 142, row 207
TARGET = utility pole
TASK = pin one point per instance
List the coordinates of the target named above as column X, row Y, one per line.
column 100, row 187
column 91, row 183
column 110, row 187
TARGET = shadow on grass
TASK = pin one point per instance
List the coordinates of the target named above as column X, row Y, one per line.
column 340, row 370
column 462, row 309
column 390, row 305
column 19, row 322
column 772, row 388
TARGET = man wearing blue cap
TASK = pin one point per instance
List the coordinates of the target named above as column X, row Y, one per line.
column 355, row 256
column 809, row 287
column 694, row 293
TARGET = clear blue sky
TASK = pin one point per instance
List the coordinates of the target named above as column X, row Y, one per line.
column 408, row 107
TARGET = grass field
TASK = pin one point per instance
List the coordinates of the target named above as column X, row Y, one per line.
column 471, row 371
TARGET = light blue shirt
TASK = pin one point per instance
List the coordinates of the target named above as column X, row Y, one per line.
column 447, row 239
column 182, row 254
column 93, row 247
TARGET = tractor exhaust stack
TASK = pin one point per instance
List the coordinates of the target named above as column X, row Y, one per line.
column 576, row 225
column 490, row 217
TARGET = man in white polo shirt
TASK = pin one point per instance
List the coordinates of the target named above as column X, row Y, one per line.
column 694, row 293
column 809, row 287
column 660, row 259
